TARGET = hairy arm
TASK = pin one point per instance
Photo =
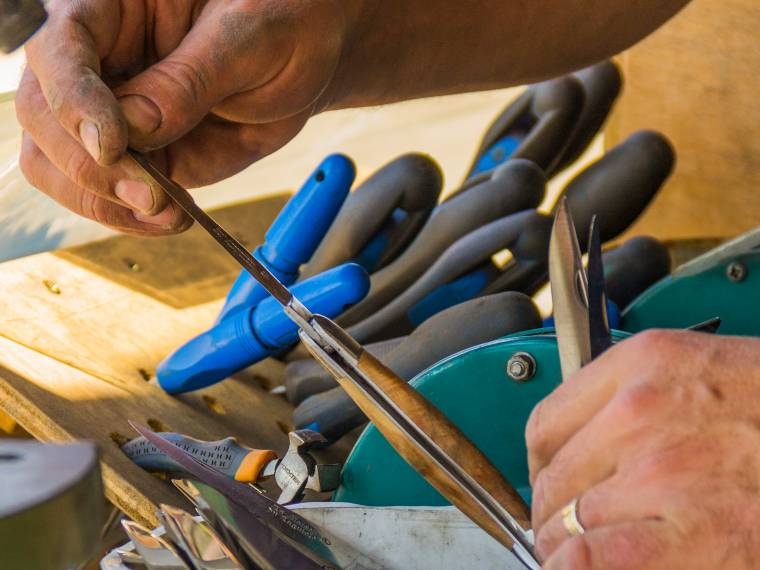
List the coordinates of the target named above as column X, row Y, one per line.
column 403, row 49
column 210, row 86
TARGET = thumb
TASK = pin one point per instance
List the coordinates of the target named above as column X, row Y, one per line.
column 171, row 97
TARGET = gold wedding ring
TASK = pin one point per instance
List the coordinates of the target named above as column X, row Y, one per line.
column 570, row 519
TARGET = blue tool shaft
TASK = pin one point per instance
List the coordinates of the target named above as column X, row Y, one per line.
column 252, row 334
column 297, row 232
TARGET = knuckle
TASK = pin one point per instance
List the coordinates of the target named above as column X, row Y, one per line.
column 653, row 344
column 189, row 79
column 548, row 493
column 538, row 492
column 77, row 167
column 28, row 161
column 577, row 554
column 637, row 401
column 98, row 209
column 30, row 105
column 549, row 539
column 630, row 548
column 661, row 466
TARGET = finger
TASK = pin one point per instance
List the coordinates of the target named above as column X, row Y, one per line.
column 216, row 149
column 43, row 175
column 554, row 420
column 65, row 55
column 628, row 426
column 170, row 98
column 639, row 545
column 617, row 500
column 124, row 182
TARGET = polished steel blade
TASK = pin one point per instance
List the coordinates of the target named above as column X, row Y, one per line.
column 314, row 549
column 201, row 544
column 599, row 325
column 211, row 518
column 156, row 553
column 295, row 309
column 569, row 294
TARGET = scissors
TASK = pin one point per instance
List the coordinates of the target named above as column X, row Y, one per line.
column 578, row 295
column 414, row 427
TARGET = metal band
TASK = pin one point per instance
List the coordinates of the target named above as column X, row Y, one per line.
column 570, row 520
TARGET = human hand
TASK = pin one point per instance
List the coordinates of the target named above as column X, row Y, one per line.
column 659, row 441
column 209, row 86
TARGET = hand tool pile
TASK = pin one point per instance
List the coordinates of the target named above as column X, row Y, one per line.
column 399, row 313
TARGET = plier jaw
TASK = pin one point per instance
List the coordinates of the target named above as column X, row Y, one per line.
column 580, row 313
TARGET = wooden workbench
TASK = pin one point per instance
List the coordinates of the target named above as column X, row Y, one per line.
column 82, row 331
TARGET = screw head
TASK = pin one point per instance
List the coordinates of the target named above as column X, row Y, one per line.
column 521, row 367
column 736, row 271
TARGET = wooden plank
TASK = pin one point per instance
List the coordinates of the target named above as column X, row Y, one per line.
column 84, row 332
column 185, row 270
column 697, row 81
column 86, row 308
column 55, row 402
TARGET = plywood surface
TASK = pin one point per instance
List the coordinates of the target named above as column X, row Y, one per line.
column 697, row 81
column 80, row 332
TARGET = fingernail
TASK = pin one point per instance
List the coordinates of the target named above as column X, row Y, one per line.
column 163, row 219
column 137, row 195
column 141, row 113
column 90, row 136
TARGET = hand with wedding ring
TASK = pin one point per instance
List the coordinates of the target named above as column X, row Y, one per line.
column 649, row 458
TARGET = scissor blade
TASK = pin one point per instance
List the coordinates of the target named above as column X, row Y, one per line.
column 599, row 326
column 257, row 269
column 156, row 552
column 569, row 294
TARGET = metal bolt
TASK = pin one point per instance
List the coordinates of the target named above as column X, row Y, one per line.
column 521, row 367
column 736, row 271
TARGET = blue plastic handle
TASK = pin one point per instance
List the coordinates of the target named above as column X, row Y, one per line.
column 250, row 335
column 497, row 154
column 299, row 228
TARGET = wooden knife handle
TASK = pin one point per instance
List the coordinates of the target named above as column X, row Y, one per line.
column 448, row 437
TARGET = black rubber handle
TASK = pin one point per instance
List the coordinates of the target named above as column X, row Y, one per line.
column 466, row 254
column 306, row 377
column 528, row 271
column 602, row 84
column 333, row 413
column 633, row 267
column 544, row 117
column 411, row 182
column 518, row 185
column 619, row 186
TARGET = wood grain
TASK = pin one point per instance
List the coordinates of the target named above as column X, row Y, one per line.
column 74, row 364
column 447, row 436
column 696, row 80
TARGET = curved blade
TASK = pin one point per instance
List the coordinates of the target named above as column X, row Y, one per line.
column 569, row 294
column 157, row 553
column 599, row 326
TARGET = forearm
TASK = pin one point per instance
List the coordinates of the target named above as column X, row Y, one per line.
column 403, row 49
